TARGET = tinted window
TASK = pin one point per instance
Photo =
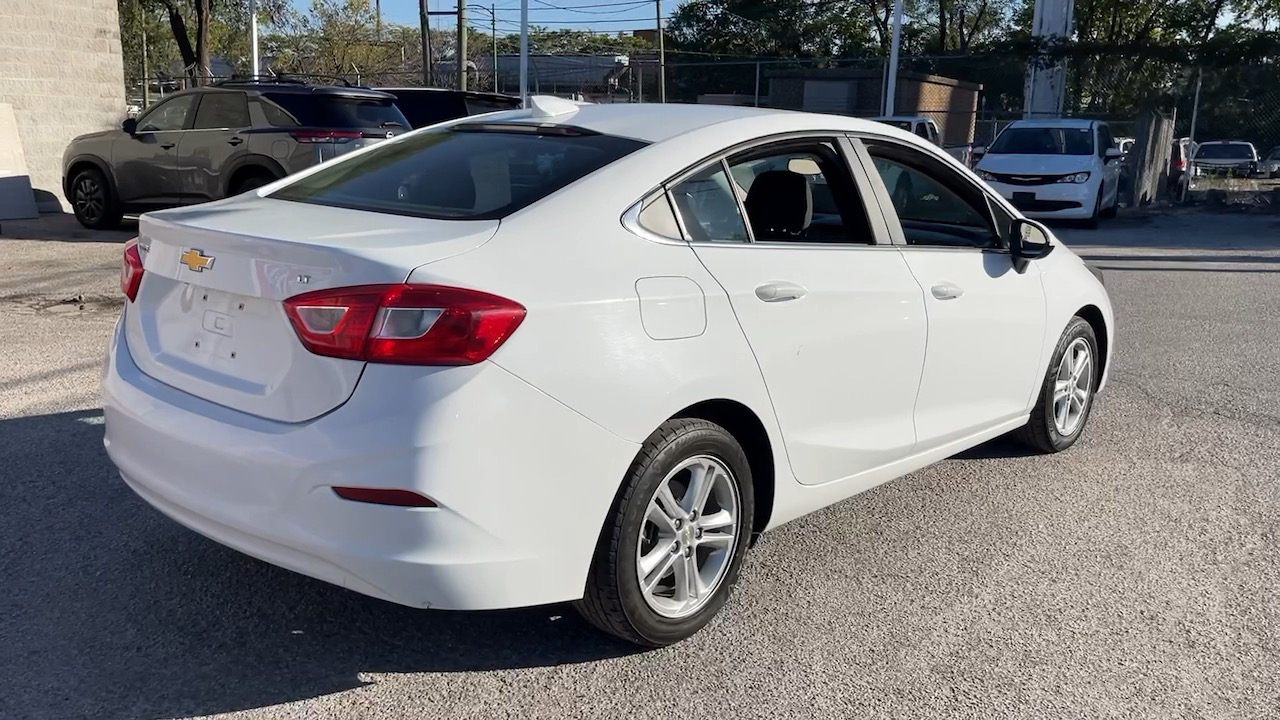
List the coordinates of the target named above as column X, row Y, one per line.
column 459, row 173
column 1105, row 140
column 1044, row 141
column 1275, row 154
column 168, row 115
column 923, row 131
column 1224, row 152
column 222, row 110
column 333, row 111
column 935, row 206
column 476, row 106
column 429, row 107
column 799, row 193
column 707, row 206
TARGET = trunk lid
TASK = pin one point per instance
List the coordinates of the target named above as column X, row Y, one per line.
column 209, row 317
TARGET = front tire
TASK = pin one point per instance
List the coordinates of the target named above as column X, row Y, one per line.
column 673, row 544
column 1112, row 210
column 95, row 205
column 1066, row 395
column 1092, row 221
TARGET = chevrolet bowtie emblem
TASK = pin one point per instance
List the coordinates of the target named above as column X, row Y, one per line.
column 196, row 260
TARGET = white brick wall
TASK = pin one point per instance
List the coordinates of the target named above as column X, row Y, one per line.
column 61, row 69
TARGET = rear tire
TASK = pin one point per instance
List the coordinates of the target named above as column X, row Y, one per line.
column 657, row 536
column 94, row 202
column 1066, row 394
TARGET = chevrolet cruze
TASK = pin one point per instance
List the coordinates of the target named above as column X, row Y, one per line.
column 585, row 353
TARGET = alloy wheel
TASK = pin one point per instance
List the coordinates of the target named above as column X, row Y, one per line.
column 90, row 199
column 1071, row 387
column 688, row 536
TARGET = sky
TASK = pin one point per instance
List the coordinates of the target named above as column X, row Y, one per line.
column 609, row 16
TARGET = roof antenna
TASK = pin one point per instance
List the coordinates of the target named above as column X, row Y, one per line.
column 547, row 106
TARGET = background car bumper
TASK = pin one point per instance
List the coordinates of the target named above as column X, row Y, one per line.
column 1056, row 200
column 522, row 482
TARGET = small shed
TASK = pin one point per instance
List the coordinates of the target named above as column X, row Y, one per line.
column 951, row 103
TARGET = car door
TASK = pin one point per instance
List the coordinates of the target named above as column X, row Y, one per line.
column 145, row 162
column 217, row 138
column 986, row 320
column 829, row 307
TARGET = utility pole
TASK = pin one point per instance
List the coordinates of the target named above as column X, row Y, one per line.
column 377, row 21
column 462, row 44
column 426, row 43
column 493, row 32
column 146, row 75
column 891, row 87
column 524, row 53
column 253, row 35
column 662, row 55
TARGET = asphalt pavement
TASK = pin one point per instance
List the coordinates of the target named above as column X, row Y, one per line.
column 1136, row 575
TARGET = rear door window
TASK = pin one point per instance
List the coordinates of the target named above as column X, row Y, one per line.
column 462, row 172
column 331, row 111
column 222, row 110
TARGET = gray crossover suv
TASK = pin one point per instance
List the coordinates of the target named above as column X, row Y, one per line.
column 220, row 140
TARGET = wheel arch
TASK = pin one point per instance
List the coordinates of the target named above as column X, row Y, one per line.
column 748, row 429
column 1092, row 314
column 83, row 162
column 251, row 165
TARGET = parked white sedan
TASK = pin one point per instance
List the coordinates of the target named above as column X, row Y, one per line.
column 585, row 353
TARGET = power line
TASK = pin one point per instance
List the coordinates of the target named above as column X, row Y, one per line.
column 622, row 7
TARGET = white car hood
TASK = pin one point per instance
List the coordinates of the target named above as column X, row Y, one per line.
column 1037, row 164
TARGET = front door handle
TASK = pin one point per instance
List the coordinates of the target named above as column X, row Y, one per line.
column 947, row 291
column 780, row 292
column 167, row 146
column 235, row 141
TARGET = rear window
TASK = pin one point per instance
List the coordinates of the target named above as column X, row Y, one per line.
column 460, row 172
column 478, row 106
column 1224, row 152
column 1043, row 141
column 331, row 111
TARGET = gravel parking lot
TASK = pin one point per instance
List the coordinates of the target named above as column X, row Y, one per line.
column 1136, row 575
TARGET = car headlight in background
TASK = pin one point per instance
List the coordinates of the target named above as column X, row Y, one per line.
column 986, row 176
column 1078, row 178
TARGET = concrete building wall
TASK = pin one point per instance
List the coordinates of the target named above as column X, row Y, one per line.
column 61, row 68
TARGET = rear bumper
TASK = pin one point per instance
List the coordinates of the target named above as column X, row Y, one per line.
column 522, row 482
column 1056, row 200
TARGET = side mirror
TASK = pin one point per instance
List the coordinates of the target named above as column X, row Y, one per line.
column 130, row 126
column 978, row 150
column 1113, row 153
column 1028, row 240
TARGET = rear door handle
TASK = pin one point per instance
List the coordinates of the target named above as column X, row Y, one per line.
column 780, row 292
column 166, row 146
column 235, row 141
column 946, row 291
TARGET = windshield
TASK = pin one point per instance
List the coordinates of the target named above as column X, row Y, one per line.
column 1043, row 141
column 461, row 172
column 1225, row 152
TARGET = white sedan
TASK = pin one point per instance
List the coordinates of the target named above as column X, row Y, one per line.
column 585, row 353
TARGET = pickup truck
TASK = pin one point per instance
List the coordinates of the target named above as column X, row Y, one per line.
column 927, row 129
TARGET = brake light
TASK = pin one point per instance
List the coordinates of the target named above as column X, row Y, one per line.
column 1180, row 164
column 325, row 136
column 387, row 496
column 404, row 324
column 131, row 270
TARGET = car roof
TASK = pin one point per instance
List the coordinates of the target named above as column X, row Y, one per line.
column 1226, row 142
column 654, row 122
column 298, row 89
column 1054, row 123
column 447, row 91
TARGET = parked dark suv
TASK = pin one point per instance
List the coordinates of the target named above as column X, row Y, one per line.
column 217, row 141
column 428, row 106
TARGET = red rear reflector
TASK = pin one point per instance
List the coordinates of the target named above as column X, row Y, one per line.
column 384, row 496
column 324, row 136
column 404, row 324
column 131, row 270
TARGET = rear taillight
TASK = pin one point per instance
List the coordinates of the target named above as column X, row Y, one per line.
column 325, row 136
column 1179, row 164
column 404, row 324
column 131, row 270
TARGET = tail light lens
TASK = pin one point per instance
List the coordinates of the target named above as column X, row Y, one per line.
column 404, row 324
column 131, row 270
column 325, row 136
